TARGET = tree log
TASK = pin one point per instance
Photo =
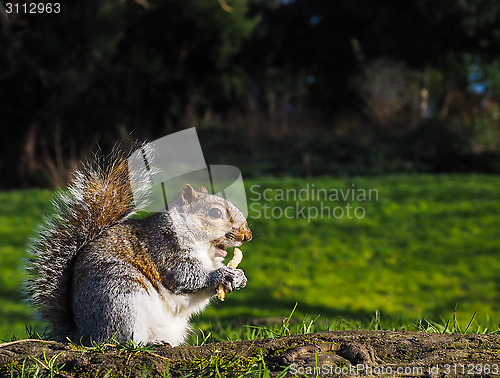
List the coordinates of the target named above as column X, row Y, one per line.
column 336, row 353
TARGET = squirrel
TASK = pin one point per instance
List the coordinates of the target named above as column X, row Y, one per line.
column 96, row 274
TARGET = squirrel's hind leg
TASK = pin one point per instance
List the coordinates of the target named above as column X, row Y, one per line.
column 105, row 318
column 103, row 304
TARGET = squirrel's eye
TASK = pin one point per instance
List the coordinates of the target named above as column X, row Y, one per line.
column 215, row 213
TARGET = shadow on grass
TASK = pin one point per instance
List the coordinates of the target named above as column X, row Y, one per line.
column 14, row 307
column 261, row 309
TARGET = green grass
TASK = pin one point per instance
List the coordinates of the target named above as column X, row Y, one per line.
column 20, row 213
column 427, row 246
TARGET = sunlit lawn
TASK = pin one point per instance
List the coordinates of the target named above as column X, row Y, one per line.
column 428, row 245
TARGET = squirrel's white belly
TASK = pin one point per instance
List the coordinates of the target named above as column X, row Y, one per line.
column 165, row 316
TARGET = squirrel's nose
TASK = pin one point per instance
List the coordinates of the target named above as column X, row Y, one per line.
column 247, row 234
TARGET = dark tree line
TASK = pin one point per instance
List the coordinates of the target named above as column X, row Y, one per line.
column 257, row 74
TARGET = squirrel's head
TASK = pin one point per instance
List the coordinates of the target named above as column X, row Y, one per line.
column 207, row 217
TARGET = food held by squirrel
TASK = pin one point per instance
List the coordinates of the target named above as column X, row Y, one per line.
column 97, row 274
column 235, row 261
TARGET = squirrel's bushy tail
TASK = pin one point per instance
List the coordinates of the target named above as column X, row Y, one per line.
column 98, row 197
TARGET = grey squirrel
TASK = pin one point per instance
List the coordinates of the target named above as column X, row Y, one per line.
column 95, row 274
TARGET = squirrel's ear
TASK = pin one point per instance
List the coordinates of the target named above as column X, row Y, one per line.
column 202, row 189
column 188, row 194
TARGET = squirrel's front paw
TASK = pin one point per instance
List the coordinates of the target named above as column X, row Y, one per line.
column 232, row 279
column 240, row 280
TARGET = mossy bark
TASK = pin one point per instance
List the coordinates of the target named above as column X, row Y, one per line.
column 361, row 352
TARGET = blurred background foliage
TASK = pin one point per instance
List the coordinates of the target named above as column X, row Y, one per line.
column 277, row 87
